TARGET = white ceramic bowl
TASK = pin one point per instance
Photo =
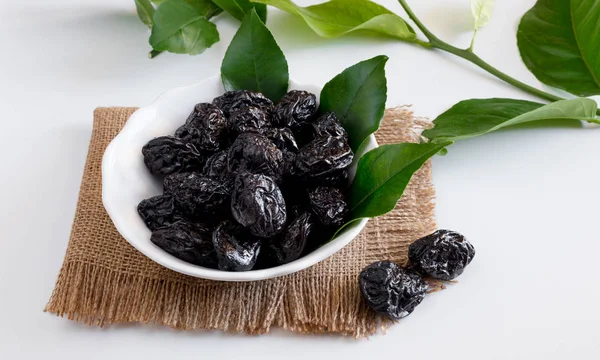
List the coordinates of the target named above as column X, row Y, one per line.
column 126, row 181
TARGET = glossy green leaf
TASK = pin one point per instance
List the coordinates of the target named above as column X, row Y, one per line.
column 382, row 176
column 481, row 116
column 182, row 28
column 239, row 8
column 482, row 11
column 357, row 96
column 339, row 17
column 254, row 61
column 559, row 41
column 145, row 11
column 206, row 7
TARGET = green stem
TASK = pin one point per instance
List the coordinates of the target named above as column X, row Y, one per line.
column 470, row 49
column 437, row 43
column 154, row 53
column 470, row 56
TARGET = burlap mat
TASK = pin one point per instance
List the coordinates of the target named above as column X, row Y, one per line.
column 104, row 280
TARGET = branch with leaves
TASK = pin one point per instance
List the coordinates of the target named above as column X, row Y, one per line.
column 558, row 41
column 358, row 96
column 551, row 27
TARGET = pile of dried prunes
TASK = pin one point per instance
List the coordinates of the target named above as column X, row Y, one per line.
column 248, row 183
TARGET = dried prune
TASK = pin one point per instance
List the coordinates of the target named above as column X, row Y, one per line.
column 195, row 195
column 441, row 255
column 206, row 127
column 324, row 161
column 391, row 290
column 225, row 101
column 255, row 153
column 293, row 240
column 257, row 204
column 236, row 249
column 329, row 205
column 289, row 163
column 283, row 138
column 295, row 107
column 232, row 100
column 167, row 155
column 328, row 125
column 249, row 119
column 216, row 166
column 157, row 211
column 188, row 242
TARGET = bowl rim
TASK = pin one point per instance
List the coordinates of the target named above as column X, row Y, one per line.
column 342, row 239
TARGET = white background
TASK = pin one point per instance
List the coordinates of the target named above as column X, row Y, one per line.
column 527, row 199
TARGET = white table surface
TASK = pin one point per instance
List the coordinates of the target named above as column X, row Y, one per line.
column 527, row 199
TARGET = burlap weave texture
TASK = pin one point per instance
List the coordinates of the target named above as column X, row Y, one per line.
column 104, row 280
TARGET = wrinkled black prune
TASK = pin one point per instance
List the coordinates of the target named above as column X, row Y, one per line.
column 441, row 255
column 294, row 108
column 329, row 205
column 328, row 125
column 206, row 128
column 236, row 249
column 216, row 166
column 188, row 242
column 391, row 290
column 249, row 119
column 167, row 155
column 157, row 211
column 324, row 161
column 225, row 101
column 283, row 138
column 255, row 153
column 291, row 244
column 289, row 163
column 232, row 100
column 258, row 205
column 196, row 195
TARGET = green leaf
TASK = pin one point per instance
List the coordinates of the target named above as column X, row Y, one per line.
column 476, row 117
column 239, row 8
column 145, row 11
column 206, row 7
column 254, row 61
column 357, row 96
column 339, row 17
column 482, row 10
column 383, row 174
column 182, row 28
column 197, row 3
column 559, row 41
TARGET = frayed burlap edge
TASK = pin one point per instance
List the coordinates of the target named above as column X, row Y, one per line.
column 104, row 280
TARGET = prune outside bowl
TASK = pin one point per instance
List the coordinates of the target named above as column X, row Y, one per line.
column 126, row 181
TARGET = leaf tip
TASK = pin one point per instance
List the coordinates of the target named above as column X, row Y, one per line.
column 252, row 14
column 381, row 58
